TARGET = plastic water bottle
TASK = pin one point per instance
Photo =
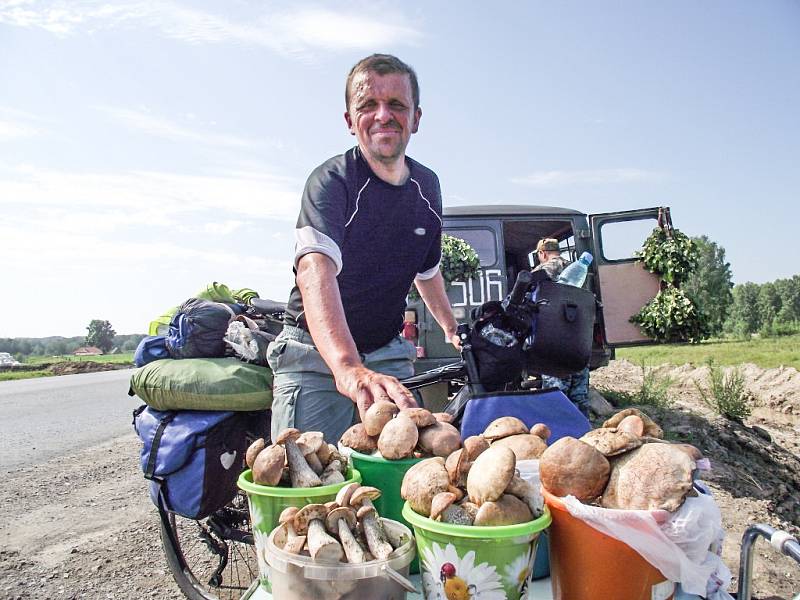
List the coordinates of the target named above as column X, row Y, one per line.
column 498, row 337
column 575, row 274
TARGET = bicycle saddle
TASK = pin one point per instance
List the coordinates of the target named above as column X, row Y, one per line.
column 268, row 307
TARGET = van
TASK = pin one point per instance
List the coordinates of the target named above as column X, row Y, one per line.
column 505, row 238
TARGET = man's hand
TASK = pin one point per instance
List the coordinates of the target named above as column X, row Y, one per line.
column 455, row 339
column 364, row 386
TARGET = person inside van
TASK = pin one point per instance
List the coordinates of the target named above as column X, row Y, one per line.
column 576, row 385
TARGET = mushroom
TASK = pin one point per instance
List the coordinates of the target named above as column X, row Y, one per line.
column 506, row 510
column 332, row 473
column 655, row 476
column 474, row 445
column 422, row 417
column 632, row 424
column 294, row 543
column 398, row 438
column 470, row 508
column 571, row 466
column 310, row 521
column 443, row 508
column 356, row 437
column 309, row 443
column 378, row 415
column 524, row 445
column 253, row 450
column 490, row 474
column 325, row 453
column 439, row 439
column 345, row 492
column 341, row 521
column 504, row 427
column 268, row 465
column 651, row 429
column 527, row 492
column 443, row 417
column 611, row 440
column 300, row 472
column 361, row 499
column 422, row 482
column 542, row 430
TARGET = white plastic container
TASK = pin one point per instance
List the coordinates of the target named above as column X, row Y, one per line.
column 294, row 577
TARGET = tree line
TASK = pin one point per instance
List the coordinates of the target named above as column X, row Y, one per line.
column 57, row 346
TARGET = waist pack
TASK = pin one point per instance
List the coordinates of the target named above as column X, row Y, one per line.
column 193, row 458
column 560, row 342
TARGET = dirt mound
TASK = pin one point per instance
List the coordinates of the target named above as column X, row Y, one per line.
column 87, row 366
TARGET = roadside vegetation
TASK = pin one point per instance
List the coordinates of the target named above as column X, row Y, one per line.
column 654, row 390
column 29, row 369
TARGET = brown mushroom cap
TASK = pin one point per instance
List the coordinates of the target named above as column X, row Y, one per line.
column 440, row 503
column 611, row 441
column 503, row 427
column 490, row 473
column 457, row 466
column 344, row 493
column 632, row 424
column 356, row 437
column 288, row 514
column 506, row 510
column 307, row 514
column 655, row 476
column 439, row 439
column 474, row 445
column 542, row 430
column 443, row 417
column 253, row 450
column 422, row 417
column 287, row 434
column 364, row 492
column 651, row 429
column 573, row 467
column 422, row 482
column 524, row 445
column 340, row 512
column 398, row 438
column 377, row 415
column 268, row 466
column 309, row 441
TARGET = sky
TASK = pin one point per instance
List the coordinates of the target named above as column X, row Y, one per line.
column 148, row 148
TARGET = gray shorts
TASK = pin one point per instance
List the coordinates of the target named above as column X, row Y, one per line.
column 304, row 392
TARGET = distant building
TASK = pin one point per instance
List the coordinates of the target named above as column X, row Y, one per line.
column 6, row 360
column 87, row 351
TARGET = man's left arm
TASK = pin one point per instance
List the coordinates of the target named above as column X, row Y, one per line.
column 433, row 294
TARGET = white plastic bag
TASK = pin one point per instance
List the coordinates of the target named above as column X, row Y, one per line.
column 676, row 544
column 529, row 471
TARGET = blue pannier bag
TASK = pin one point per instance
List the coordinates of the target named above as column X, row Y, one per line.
column 193, row 458
column 153, row 347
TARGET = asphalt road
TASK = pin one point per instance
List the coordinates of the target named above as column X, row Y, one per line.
column 41, row 418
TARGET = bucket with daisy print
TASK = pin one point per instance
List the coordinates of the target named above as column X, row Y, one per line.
column 476, row 562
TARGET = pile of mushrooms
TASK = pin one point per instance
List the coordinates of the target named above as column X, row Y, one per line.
column 397, row 434
column 479, row 484
column 298, row 460
column 347, row 529
column 623, row 464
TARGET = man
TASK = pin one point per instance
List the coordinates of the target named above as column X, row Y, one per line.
column 576, row 385
column 369, row 225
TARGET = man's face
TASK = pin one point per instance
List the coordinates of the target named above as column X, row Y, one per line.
column 382, row 114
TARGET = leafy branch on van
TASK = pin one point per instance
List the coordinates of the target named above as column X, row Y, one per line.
column 671, row 316
column 459, row 262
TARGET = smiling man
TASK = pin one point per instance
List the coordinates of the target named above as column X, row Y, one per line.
column 369, row 225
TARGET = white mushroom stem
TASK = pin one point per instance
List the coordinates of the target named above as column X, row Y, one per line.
column 300, row 473
column 352, row 549
column 373, row 531
column 322, row 546
column 313, row 461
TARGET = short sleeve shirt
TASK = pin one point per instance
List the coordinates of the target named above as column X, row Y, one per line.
column 380, row 237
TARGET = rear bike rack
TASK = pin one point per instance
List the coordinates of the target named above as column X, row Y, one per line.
column 782, row 541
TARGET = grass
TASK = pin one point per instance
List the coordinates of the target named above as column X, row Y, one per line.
column 654, row 391
column 766, row 353
column 11, row 375
column 726, row 393
column 125, row 357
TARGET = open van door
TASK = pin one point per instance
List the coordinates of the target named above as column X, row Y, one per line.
column 623, row 283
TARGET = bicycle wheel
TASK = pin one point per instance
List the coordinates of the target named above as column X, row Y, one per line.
column 214, row 558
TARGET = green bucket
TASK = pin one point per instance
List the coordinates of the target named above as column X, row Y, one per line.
column 491, row 563
column 267, row 503
column 387, row 476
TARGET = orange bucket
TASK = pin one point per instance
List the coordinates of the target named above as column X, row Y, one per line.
column 588, row 565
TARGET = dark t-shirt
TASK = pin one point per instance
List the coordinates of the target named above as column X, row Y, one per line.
column 380, row 236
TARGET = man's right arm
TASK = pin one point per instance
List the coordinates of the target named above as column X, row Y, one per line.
column 324, row 314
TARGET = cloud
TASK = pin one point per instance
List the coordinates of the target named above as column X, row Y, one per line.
column 164, row 128
column 552, row 179
column 16, row 124
column 291, row 31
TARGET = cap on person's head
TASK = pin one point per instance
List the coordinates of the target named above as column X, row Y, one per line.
column 547, row 245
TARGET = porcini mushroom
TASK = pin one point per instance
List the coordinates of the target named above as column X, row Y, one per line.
column 422, row 482
column 300, row 473
column 361, row 499
column 443, row 417
column 527, row 492
column 253, row 450
column 332, row 473
column 504, row 427
column 398, row 438
column 632, row 424
column 506, row 510
column 525, row 446
column 341, row 521
column 294, row 543
column 310, row 521
column 378, row 415
column 611, row 440
column 439, row 439
column 422, row 417
column 490, row 474
column 542, row 430
column 444, row 508
column 357, row 438
column 268, row 465
column 651, row 429
column 571, row 466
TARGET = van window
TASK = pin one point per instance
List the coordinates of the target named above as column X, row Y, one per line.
column 619, row 240
column 482, row 240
